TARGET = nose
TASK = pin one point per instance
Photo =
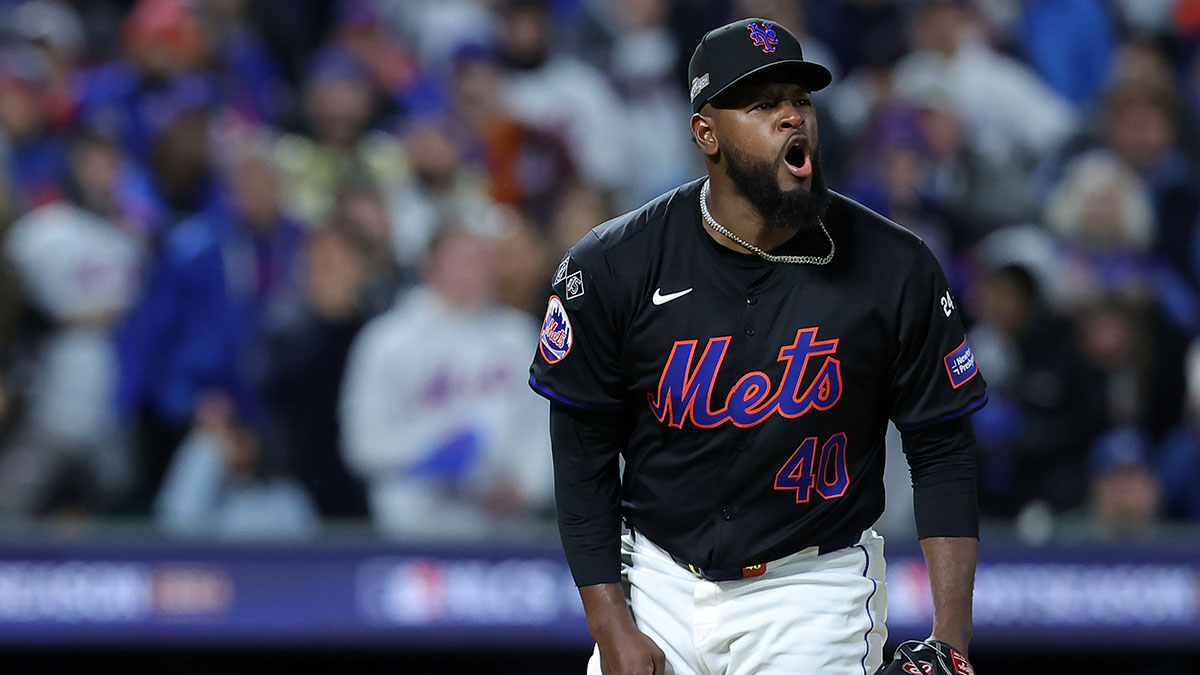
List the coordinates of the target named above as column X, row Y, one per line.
column 790, row 115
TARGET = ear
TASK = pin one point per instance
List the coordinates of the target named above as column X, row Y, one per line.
column 704, row 134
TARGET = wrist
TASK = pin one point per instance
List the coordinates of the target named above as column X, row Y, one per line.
column 607, row 611
column 957, row 639
column 608, row 624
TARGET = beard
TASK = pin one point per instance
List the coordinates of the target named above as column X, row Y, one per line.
column 798, row 209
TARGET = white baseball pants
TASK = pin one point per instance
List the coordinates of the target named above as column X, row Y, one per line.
column 808, row 614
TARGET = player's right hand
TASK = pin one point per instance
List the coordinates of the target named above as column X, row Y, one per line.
column 631, row 652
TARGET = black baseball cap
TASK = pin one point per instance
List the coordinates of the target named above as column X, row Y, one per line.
column 727, row 54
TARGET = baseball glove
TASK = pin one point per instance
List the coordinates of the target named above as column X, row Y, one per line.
column 928, row 657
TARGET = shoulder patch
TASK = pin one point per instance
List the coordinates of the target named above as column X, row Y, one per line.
column 557, row 334
column 568, row 283
column 947, row 303
column 575, row 285
column 561, row 272
column 960, row 365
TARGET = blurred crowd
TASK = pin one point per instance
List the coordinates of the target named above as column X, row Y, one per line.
column 275, row 264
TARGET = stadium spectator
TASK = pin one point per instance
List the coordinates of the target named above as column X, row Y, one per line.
column 1105, row 220
column 913, row 162
column 1179, row 453
column 861, row 33
column 195, row 328
column 1191, row 92
column 360, row 30
column 1125, row 493
column 1042, row 413
column 436, row 413
column 245, row 71
column 79, row 271
column 525, row 167
column 1141, row 126
column 106, row 182
column 219, row 484
column 440, row 190
column 181, row 166
column 1011, row 114
column 1070, row 43
column 1115, row 336
column 855, row 101
column 33, row 159
column 1105, row 223
column 134, row 98
column 641, row 61
column 552, row 90
column 308, row 340
column 976, row 193
column 340, row 106
column 437, row 30
column 894, row 177
column 359, row 209
column 1145, row 17
column 524, row 260
column 55, row 29
column 580, row 208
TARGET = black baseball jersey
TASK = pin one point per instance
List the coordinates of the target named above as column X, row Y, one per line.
column 757, row 393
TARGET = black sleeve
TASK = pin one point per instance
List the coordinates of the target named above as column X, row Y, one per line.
column 934, row 376
column 942, row 459
column 577, row 362
column 587, row 490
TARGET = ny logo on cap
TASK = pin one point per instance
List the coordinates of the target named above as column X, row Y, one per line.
column 763, row 36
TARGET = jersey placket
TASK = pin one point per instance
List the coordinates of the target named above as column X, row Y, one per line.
column 750, row 320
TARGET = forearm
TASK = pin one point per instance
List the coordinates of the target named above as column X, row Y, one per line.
column 606, row 609
column 942, row 459
column 624, row 649
column 951, row 563
column 587, row 490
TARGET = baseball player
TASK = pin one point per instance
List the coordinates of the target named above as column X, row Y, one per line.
column 741, row 342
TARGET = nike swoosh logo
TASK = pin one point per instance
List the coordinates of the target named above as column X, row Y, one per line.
column 660, row 299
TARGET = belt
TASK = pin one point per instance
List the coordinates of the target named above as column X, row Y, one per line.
column 735, row 573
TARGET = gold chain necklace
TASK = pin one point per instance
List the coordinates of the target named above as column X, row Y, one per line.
column 769, row 257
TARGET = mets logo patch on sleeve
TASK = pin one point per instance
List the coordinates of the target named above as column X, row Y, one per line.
column 960, row 364
column 557, row 334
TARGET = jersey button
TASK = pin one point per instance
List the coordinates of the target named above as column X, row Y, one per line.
column 751, row 300
column 750, row 331
column 727, row 513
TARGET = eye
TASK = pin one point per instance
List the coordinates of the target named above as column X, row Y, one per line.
column 765, row 105
column 804, row 103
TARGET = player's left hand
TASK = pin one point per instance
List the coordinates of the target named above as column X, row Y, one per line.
column 927, row 657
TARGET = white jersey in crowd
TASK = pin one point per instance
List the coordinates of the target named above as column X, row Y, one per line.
column 82, row 272
column 436, row 415
column 74, row 264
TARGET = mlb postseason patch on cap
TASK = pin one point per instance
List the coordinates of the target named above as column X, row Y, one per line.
column 557, row 334
column 960, row 364
column 698, row 85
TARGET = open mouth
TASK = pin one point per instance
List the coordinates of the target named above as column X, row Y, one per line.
column 798, row 159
